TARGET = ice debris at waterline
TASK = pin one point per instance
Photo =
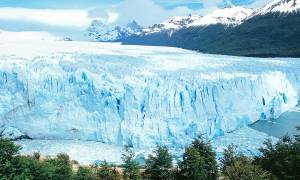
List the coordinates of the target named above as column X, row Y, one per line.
column 136, row 95
column 246, row 139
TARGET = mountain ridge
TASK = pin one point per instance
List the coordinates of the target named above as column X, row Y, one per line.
column 266, row 32
column 282, row 6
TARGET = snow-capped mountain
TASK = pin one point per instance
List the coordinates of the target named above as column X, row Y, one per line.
column 227, row 16
column 281, row 6
column 133, row 28
column 173, row 24
column 98, row 31
column 272, row 30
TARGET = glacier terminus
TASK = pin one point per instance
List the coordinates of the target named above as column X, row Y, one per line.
column 138, row 96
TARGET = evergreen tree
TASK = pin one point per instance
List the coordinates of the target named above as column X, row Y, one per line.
column 131, row 167
column 159, row 165
column 193, row 165
column 242, row 168
column 281, row 159
column 199, row 161
column 229, row 156
column 235, row 166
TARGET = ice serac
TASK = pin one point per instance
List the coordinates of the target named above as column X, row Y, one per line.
column 136, row 95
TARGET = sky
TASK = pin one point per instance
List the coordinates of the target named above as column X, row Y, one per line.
column 65, row 17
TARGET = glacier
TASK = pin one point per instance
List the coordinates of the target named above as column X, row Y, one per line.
column 136, row 95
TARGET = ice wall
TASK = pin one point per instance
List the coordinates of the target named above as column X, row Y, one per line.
column 141, row 97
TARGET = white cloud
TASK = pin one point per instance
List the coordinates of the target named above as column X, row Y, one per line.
column 112, row 17
column 71, row 21
column 210, row 5
column 59, row 18
column 145, row 12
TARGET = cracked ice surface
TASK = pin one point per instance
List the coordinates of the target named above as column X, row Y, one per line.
column 246, row 139
column 137, row 95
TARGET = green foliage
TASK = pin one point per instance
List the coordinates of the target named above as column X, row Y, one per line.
column 281, row 159
column 8, row 158
column 236, row 167
column 277, row 161
column 8, row 150
column 243, row 169
column 229, row 156
column 30, row 168
column 84, row 173
column 60, row 167
column 193, row 166
column 199, row 161
column 105, row 171
column 159, row 165
column 14, row 166
column 131, row 167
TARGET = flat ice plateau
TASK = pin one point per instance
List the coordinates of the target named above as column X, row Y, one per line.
column 136, row 95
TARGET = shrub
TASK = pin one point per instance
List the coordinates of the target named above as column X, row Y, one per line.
column 84, row 173
column 60, row 167
column 105, row 171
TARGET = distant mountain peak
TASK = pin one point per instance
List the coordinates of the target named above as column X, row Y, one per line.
column 281, row 6
column 99, row 31
column 173, row 24
column 133, row 27
column 133, row 24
